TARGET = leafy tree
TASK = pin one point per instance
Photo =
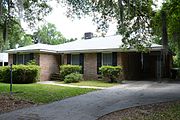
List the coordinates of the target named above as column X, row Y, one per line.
column 172, row 9
column 48, row 34
column 31, row 11
column 16, row 36
column 25, row 40
column 133, row 18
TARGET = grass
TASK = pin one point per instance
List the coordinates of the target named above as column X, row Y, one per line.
column 95, row 83
column 41, row 94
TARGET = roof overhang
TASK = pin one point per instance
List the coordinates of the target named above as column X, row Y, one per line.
column 106, row 50
column 31, row 51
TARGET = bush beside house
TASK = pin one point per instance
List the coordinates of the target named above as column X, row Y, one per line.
column 68, row 69
column 21, row 73
column 73, row 78
column 111, row 73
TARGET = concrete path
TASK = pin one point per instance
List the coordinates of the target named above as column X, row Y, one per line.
column 95, row 104
column 69, row 85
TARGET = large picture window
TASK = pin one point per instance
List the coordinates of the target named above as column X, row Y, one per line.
column 107, row 59
column 22, row 58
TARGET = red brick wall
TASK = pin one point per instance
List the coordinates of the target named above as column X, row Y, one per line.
column 10, row 59
column 90, row 66
column 49, row 64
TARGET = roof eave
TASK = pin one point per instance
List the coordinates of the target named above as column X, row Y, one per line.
column 31, row 51
column 107, row 50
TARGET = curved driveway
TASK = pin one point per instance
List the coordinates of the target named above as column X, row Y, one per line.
column 95, row 104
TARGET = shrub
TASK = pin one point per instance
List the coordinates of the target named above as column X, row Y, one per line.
column 32, row 62
column 73, row 78
column 21, row 73
column 111, row 72
column 1, row 73
column 68, row 69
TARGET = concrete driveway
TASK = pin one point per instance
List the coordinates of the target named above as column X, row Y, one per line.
column 95, row 104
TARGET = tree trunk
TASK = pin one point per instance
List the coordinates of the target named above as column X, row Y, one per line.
column 165, row 44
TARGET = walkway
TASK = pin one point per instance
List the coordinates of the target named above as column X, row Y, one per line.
column 95, row 104
column 68, row 85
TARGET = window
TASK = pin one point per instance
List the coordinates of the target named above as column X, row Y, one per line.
column 22, row 58
column 107, row 59
column 27, row 58
column 19, row 59
column 75, row 59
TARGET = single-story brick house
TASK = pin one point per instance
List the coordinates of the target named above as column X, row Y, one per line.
column 91, row 53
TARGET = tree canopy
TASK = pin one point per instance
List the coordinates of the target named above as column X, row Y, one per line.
column 16, row 36
column 133, row 18
column 172, row 10
column 48, row 34
column 30, row 11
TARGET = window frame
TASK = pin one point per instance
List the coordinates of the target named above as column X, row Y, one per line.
column 23, row 58
column 72, row 58
column 102, row 60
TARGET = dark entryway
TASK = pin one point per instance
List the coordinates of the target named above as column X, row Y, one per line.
column 138, row 66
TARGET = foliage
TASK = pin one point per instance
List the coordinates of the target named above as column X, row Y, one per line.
column 111, row 72
column 133, row 18
column 32, row 62
column 48, row 34
column 31, row 11
column 20, row 73
column 172, row 9
column 68, row 69
column 16, row 36
column 73, row 78
column 14, row 11
column 40, row 93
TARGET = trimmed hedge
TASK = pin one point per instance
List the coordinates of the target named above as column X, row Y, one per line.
column 111, row 72
column 68, row 69
column 73, row 78
column 21, row 73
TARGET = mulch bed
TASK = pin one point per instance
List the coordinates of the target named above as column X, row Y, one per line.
column 138, row 113
column 9, row 103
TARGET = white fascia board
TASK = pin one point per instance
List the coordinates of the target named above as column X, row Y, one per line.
column 31, row 51
column 107, row 50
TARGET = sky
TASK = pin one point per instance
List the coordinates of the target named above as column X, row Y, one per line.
column 77, row 27
column 74, row 28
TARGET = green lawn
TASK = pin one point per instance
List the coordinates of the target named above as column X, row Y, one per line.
column 39, row 93
column 95, row 83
